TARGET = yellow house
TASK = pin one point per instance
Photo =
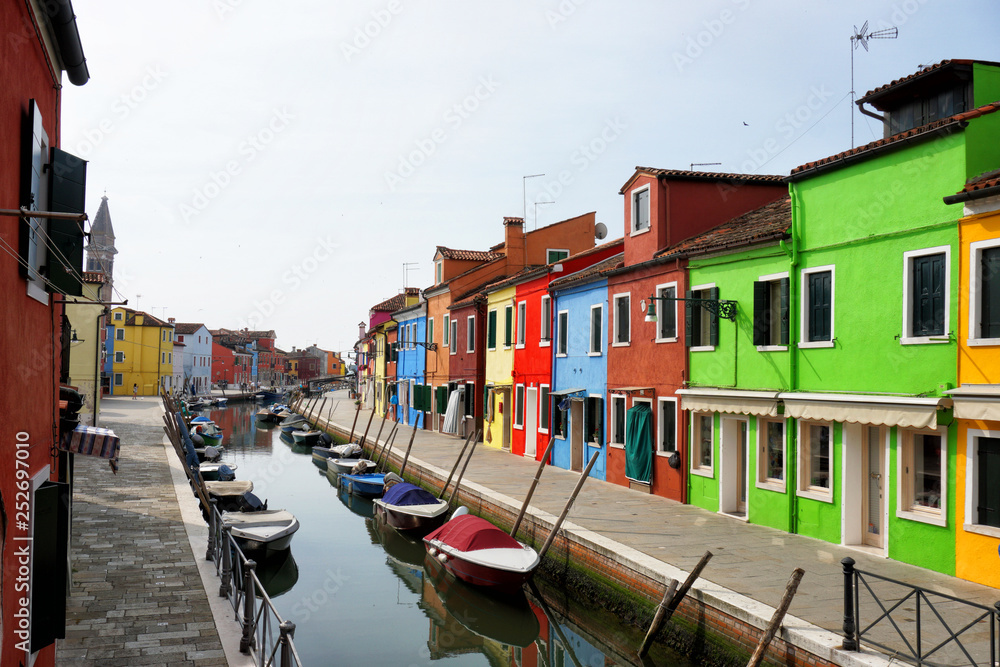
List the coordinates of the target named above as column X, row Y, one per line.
column 977, row 399
column 143, row 353
column 86, row 320
column 499, row 366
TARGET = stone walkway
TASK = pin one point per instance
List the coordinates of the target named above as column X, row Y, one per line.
column 137, row 598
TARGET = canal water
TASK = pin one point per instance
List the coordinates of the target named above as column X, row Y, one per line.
column 361, row 593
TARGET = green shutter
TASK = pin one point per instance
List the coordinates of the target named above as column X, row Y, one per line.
column 491, row 330
column 442, row 399
column 688, row 320
column 783, row 286
column 713, row 327
column 67, row 194
column 761, row 291
column 508, row 313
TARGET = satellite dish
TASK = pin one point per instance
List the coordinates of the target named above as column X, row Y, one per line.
column 600, row 230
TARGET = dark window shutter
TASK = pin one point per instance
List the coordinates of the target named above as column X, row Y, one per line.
column 67, row 194
column 508, row 317
column 491, row 330
column 688, row 321
column 783, row 286
column 713, row 329
column 543, row 407
column 819, row 306
column 989, row 482
column 48, row 586
column 927, row 312
column 761, row 312
column 442, row 399
column 989, row 325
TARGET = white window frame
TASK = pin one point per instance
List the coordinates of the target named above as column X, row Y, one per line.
column 772, row 278
column 545, row 322
column 975, row 291
column 611, row 433
column 591, row 352
column 496, row 328
column 804, row 309
column 542, row 406
column 661, row 306
column 430, row 330
column 119, row 357
column 119, row 379
column 617, row 324
column 762, row 480
column 633, row 195
column 446, row 332
column 906, row 337
column 560, row 325
column 660, row 400
column 520, row 333
column 438, row 272
column 804, row 490
column 904, row 507
column 470, row 334
column 972, row 483
column 118, row 316
column 697, row 312
column 549, row 251
column 119, row 333
column 697, row 468
column 519, row 389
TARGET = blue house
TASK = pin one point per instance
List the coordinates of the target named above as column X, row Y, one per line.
column 411, row 354
column 579, row 368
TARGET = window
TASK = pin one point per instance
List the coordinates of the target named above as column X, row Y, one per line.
column 118, row 379
column 470, row 399
column 983, row 489
column 623, row 326
column 438, row 272
column 119, row 334
column 508, row 325
column 618, row 420
column 119, row 357
column 666, row 313
column 558, row 420
column 771, row 437
column 594, row 419
column 596, row 330
column 491, row 330
column 701, row 326
column 925, row 295
column 545, row 323
column 984, row 288
column 667, row 437
column 815, row 468
column 770, row 311
column 552, row 256
column 118, row 316
column 430, row 330
column 519, row 406
column 562, row 329
column 180, row 339
column 170, row 357
column 817, row 307
column 445, row 331
column 702, row 424
column 640, row 210
column 470, row 334
column 454, row 336
column 522, row 314
column 543, row 408
column 923, row 476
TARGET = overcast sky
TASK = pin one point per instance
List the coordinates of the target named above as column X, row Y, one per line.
column 274, row 164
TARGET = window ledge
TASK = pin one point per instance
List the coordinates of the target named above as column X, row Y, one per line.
column 543, row 430
column 703, row 472
column 520, row 346
column 923, row 517
column 702, row 348
column 815, row 344
column 982, row 342
column 772, row 348
column 519, row 427
column 664, row 454
column 38, row 293
column 666, row 340
column 821, row 496
column 925, row 340
column 771, row 485
column 626, row 344
column 594, row 354
column 989, row 531
column 638, row 232
column 561, row 354
column 544, row 343
column 615, row 445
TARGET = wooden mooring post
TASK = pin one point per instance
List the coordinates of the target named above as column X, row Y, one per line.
column 779, row 614
column 458, row 482
column 409, row 446
column 562, row 517
column 357, row 411
column 671, row 601
column 531, row 489
column 455, row 467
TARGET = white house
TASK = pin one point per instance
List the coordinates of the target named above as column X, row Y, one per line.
column 197, row 340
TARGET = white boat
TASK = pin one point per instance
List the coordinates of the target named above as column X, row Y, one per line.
column 345, row 466
column 270, row 529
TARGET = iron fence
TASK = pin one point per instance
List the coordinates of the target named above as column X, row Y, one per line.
column 916, row 624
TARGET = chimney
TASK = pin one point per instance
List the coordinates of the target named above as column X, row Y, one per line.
column 514, row 243
column 171, row 320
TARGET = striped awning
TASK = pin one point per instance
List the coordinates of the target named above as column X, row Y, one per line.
column 977, row 401
column 736, row 401
column 874, row 410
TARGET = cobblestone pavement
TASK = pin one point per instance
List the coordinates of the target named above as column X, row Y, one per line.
column 136, row 596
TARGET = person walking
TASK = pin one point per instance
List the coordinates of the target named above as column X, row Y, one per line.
column 135, row 391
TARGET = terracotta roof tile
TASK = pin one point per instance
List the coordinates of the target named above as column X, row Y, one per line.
column 769, row 222
column 468, row 255
column 394, row 303
column 683, row 174
column 918, row 74
column 963, row 117
column 187, row 327
column 147, row 321
column 990, row 179
column 592, row 272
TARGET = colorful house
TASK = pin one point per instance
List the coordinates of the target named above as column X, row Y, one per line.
column 87, row 340
column 977, row 398
column 143, row 353
column 381, row 327
column 413, row 394
column 499, row 368
column 197, row 356
column 662, row 207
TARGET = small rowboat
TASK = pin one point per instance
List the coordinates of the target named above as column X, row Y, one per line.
column 407, row 507
column 228, row 494
column 365, row 485
column 345, row 466
column 269, row 529
column 348, row 451
column 479, row 553
column 307, row 438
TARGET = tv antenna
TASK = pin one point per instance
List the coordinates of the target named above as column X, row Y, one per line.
column 407, row 267
column 861, row 37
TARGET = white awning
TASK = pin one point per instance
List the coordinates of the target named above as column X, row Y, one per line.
column 737, row 401
column 977, row 401
column 904, row 411
column 563, row 392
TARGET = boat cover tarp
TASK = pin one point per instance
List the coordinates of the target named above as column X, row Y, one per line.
column 404, row 494
column 471, row 533
column 638, row 443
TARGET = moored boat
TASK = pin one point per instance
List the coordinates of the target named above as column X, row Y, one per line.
column 368, row 485
column 228, row 494
column 348, row 451
column 270, row 530
column 407, row 507
column 307, row 438
column 479, row 553
column 345, row 466
column 217, row 472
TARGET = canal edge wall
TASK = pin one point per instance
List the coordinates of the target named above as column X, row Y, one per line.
column 728, row 618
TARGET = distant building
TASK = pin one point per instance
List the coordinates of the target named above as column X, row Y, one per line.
column 143, row 353
column 197, row 340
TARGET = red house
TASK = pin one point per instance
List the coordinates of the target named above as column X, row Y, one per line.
column 42, row 264
column 647, row 361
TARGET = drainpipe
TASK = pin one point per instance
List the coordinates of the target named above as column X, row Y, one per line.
column 792, row 250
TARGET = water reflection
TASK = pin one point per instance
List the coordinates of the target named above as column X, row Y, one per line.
column 277, row 571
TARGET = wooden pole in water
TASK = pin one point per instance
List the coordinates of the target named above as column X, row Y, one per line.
column 458, row 482
column 455, row 467
column 357, row 411
column 406, row 457
column 661, row 611
column 553, row 621
column 531, row 489
column 779, row 614
column 377, row 437
column 388, row 446
column 365, row 436
column 569, row 503
column 667, row 609
column 319, row 412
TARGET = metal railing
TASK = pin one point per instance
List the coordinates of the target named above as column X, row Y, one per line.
column 266, row 636
column 917, row 624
